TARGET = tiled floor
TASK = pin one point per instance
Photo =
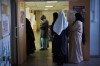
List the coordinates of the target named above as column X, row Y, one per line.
column 44, row 58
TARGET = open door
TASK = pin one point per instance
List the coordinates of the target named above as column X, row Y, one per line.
column 21, row 30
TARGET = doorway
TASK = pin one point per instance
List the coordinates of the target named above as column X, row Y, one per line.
column 87, row 28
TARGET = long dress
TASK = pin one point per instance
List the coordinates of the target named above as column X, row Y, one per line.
column 30, row 38
column 60, row 47
column 75, row 42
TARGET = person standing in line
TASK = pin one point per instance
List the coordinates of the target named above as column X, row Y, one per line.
column 44, row 43
column 60, row 40
column 75, row 40
column 30, row 38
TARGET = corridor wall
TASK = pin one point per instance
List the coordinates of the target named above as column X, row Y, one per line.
column 95, row 27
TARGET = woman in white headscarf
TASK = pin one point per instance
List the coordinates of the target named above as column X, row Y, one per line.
column 59, row 42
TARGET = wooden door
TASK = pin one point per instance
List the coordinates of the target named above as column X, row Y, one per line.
column 21, row 30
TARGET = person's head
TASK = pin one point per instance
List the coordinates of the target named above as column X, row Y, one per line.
column 55, row 16
column 78, row 16
column 43, row 17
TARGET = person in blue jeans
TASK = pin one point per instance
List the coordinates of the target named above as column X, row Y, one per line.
column 44, row 33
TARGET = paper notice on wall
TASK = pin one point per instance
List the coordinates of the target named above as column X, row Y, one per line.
column 5, row 25
column 6, row 46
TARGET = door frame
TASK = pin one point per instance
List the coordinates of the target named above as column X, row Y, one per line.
column 14, row 44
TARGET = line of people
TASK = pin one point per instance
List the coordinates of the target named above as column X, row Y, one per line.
column 62, row 34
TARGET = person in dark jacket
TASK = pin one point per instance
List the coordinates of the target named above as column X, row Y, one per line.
column 29, row 38
column 44, row 33
column 60, row 40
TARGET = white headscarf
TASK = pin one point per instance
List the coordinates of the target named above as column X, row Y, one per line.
column 61, row 23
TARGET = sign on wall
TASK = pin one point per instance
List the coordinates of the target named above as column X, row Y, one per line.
column 5, row 25
column 80, row 9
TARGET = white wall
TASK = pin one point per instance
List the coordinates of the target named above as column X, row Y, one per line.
column 95, row 29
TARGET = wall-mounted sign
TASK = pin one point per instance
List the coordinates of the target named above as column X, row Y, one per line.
column 80, row 9
column 5, row 25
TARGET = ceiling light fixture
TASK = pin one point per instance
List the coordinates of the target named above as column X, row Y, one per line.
column 48, row 6
column 52, row 1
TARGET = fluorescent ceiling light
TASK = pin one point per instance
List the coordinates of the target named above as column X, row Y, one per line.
column 48, row 6
column 52, row 1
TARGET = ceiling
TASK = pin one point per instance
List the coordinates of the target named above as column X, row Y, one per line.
column 57, row 5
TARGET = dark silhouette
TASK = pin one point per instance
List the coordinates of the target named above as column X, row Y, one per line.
column 29, row 38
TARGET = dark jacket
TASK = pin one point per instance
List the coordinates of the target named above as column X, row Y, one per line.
column 44, row 28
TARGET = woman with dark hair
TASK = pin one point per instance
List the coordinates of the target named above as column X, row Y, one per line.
column 75, row 40
column 59, row 41
column 55, row 16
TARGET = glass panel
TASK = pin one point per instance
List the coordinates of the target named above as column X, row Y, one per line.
column 92, row 10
